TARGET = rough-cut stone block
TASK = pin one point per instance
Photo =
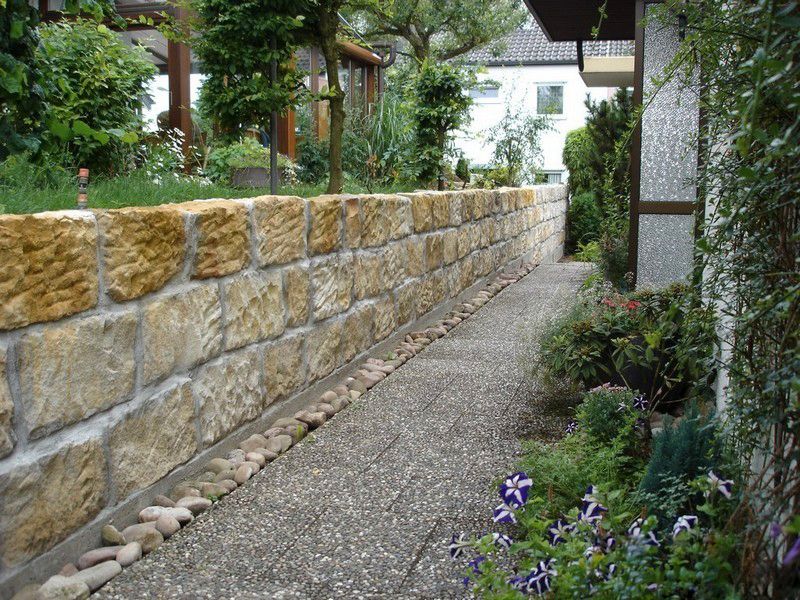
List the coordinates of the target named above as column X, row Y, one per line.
column 368, row 274
column 433, row 251
column 297, row 283
column 384, row 218
column 441, row 209
column 395, row 264
column 284, row 368
column 180, row 331
column 70, row 371
column 415, row 250
column 385, row 318
column 223, row 238
column 463, row 241
column 456, row 211
column 467, row 273
column 357, row 332
column 422, row 211
column 44, row 502
column 450, row 246
column 149, row 442
column 7, row 437
column 48, row 266
column 487, row 232
column 332, row 282
column 228, row 393
column 323, row 349
column 325, row 230
column 143, row 248
column 406, row 297
column 280, row 228
column 352, row 222
column 432, row 291
column 254, row 308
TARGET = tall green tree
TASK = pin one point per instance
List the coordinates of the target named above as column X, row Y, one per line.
column 443, row 30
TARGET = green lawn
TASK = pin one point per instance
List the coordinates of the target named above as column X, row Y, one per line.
column 18, row 196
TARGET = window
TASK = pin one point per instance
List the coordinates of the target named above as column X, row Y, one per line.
column 550, row 99
column 552, row 176
column 487, row 94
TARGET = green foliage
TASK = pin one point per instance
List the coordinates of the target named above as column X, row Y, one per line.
column 602, row 414
column 312, row 159
column 440, row 104
column 234, row 42
column 517, row 144
column 681, row 453
column 577, row 152
column 589, row 252
column 93, row 85
column 462, row 170
column 222, row 161
column 584, row 218
column 443, row 30
column 661, row 343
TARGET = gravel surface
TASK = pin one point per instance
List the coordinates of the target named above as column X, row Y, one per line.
column 365, row 506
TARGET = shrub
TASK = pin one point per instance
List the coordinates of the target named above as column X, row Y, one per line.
column 661, row 343
column 589, row 252
column 248, row 152
column 462, row 170
column 577, row 155
column 517, row 144
column 584, row 219
column 94, row 86
column 312, row 160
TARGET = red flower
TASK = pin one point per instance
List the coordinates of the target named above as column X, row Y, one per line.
column 633, row 304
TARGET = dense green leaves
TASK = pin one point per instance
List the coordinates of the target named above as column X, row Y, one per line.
column 517, row 144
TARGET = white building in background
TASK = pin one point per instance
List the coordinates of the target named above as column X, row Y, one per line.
column 540, row 77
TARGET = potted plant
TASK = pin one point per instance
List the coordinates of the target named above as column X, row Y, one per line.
column 244, row 164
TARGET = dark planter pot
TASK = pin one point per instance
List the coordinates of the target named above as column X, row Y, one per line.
column 252, row 177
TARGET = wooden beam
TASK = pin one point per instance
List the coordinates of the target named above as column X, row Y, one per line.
column 667, row 207
column 178, row 70
column 287, row 141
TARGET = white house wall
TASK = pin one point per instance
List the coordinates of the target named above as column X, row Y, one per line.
column 518, row 85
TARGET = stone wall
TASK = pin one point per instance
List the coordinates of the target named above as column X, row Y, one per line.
column 131, row 340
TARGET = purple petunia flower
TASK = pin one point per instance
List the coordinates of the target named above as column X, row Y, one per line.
column 501, row 540
column 538, row 580
column 622, row 406
column 684, row 523
column 793, row 553
column 640, row 403
column 591, row 509
column 636, row 534
column 518, row 583
column 458, row 543
column 514, row 490
column 775, row 530
column 723, row 486
column 504, row 514
column 475, row 565
column 571, row 427
column 606, row 574
column 558, row 531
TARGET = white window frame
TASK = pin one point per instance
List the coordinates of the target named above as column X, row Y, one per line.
column 563, row 86
column 495, row 100
column 549, row 172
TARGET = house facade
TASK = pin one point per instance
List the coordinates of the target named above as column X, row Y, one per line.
column 538, row 77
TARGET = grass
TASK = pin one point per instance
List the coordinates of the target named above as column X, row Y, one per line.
column 31, row 192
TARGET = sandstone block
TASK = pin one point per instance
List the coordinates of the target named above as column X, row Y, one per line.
column 357, row 332
column 228, row 392
column 280, row 228
column 254, row 308
column 44, row 502
column 284, row 368
column 432, row 291
column 405, row 297
column 48, row 266
column 394, row 264
column 352, row 222
column 463, row 241
column 368, row 274
column 441, row 209
column 384, row 218
column 223, row 237
column 434, row 251
column 450, row 246
column 7, row 437
column 96, row 353
column 297, row 283
column 422, row 211
column 149, row 442
column 180, row 331
column 143, row 248
column 456, row 209
column 332, row 282
column 323, row 349
column 325, row 230
column 385, row 318
column 415, row 252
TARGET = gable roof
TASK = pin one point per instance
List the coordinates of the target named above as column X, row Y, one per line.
column 530, row 46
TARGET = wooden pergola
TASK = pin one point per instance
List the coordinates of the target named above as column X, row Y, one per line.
column 175, row 60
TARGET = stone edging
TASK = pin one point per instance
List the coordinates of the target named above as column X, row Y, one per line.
column 167, row 515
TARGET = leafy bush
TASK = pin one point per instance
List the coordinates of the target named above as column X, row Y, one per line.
column 312, row 159
column 462, row 170
column 576, row 155
column 584, row 218
column 517, row 144
column 659, row 342
column 248, row 152
column 589, row 252
column 93, row 85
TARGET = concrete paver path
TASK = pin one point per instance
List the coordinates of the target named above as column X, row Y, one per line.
column 366, row 506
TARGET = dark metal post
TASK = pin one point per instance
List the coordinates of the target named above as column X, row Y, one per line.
column 273, row 130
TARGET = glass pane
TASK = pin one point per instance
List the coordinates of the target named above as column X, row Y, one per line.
column 489, row 92
column 550, row 99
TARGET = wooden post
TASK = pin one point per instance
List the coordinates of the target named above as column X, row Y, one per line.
column 178, row 70
column 286, row 137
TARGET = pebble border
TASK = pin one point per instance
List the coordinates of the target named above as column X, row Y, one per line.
column 167, row 515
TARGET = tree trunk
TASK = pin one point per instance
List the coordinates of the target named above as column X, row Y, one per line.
column 330, row 50
column 441, row 138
